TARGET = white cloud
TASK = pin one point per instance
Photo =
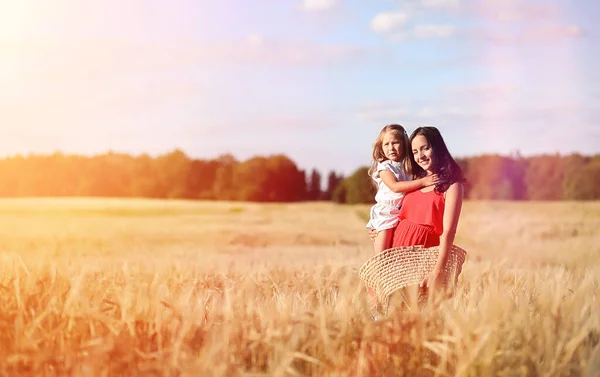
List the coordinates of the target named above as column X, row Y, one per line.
column 389, row 22
column 100, row 80
column 530, row 34
column 101, row 59
column 511, row 11
column 551, row 33
column 395, row 26
column 426, row 112
column 482, row 92
column 255, row 39
column 440, row 3
column 382, row 112
column 274, row 52
column 434, row 31
column 319, row 5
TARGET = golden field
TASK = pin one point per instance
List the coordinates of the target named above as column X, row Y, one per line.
column 106, row 287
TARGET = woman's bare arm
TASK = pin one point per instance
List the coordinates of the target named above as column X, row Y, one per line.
column 452, row 208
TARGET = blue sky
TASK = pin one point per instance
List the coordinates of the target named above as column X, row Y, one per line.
column 313, row 79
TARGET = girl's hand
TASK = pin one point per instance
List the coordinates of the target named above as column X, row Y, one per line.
column 431, row 180
column 372, row 234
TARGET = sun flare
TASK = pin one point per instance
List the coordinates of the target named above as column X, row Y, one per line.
column 15, row 17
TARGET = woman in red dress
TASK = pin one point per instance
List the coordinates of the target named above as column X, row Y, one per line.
column 430, row 216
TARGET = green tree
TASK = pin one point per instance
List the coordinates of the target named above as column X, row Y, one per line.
column 172, row 172
column 496, row 177
column 544, row 175
column 314, row 185
column 202, row 178
column 146, row 182
column 269, row 179
column 333, row 181
column 464, row 165
column 582, row 178
column 357, row 188
column 277, row 178
column 223, row 186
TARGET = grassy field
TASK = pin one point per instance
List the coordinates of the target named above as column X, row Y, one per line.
column 92, row 287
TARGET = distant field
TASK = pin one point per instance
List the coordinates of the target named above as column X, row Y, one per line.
column 151, row 287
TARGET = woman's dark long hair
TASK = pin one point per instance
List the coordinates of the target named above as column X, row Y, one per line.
column 444, row 166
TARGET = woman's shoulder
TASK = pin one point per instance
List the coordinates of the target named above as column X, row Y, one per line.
column 455, row 189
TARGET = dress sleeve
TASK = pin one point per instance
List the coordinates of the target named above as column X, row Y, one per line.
column 403, row 175
column 383, row 165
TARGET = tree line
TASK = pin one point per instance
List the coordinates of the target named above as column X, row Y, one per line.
column 277, row 178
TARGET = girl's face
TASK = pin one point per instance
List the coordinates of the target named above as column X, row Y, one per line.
column 392, row 146
column 423, row 153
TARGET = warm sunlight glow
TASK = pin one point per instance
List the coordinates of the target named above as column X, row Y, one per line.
column 14, row 17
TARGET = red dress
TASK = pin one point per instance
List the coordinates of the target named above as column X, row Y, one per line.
column 421, row 219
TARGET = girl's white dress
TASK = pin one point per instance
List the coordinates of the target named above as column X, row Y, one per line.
column 384, row 214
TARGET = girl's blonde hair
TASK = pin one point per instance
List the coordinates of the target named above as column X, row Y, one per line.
column 379, row 156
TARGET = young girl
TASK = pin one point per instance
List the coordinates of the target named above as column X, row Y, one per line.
column 392, row 175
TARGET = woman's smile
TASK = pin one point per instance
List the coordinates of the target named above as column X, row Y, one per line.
column 422, row 152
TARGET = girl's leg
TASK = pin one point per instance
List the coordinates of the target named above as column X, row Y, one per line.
column 382, row 241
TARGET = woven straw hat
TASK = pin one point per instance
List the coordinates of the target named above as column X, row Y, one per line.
column 399, row 267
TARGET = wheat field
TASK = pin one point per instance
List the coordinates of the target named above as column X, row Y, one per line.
column 110, row 287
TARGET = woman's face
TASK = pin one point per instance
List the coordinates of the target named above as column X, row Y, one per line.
column 423, row 153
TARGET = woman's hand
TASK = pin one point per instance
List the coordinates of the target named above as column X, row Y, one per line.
column 372, row 234
column 433, row 280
